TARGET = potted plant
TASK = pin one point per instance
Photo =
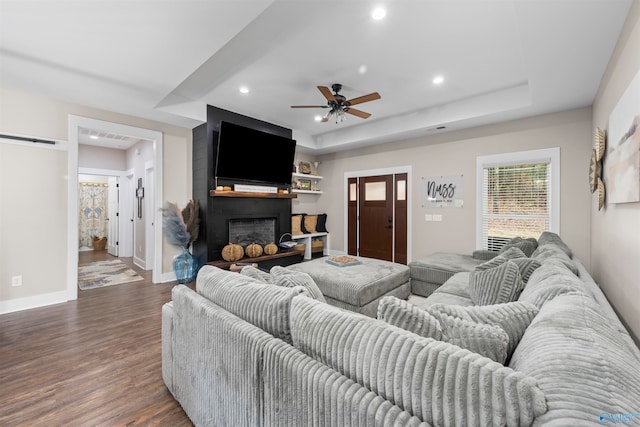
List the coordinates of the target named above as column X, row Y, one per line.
column 181, row 229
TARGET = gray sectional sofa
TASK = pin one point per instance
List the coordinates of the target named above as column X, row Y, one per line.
column 241, row 351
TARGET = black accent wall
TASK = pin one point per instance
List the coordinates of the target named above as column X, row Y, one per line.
column 216, row 211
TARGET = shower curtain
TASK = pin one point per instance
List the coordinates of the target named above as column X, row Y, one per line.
column 93, row 211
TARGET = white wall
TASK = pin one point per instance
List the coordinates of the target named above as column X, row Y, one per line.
column 29, row 115
column 615, row 243
column 136, row 158
column 33, row 222
column 93, row 157
column 455, row 153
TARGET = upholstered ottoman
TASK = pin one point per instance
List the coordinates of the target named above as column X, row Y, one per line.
column 358, row 287
column 430, row 272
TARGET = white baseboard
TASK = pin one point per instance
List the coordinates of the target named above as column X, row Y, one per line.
column 139, row 262
column 19, row 304
column 169, row 276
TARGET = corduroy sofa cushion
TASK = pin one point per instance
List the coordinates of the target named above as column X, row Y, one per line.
column 581, row 361
column 512, row 317
column 486, row 339
column 263, row 305
column 496, row 285
column 438, row 382
column 551, row 279
column 282, row 276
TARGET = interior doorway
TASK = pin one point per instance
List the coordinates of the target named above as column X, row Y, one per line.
column 377, row 215
column 77, row 125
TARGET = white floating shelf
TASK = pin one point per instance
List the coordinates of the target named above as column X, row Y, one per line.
column 306, row 191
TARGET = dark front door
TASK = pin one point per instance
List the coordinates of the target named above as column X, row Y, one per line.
column 376, row 217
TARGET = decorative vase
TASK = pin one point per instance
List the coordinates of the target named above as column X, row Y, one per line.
column 185, row 265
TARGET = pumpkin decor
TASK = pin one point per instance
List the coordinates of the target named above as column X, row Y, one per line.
column 271, row 249
column 232, row 252
column 253, row 250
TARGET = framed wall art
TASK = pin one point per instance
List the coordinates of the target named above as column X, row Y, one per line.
column 622, row 161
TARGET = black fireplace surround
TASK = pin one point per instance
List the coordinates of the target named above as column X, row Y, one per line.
column 216, row 213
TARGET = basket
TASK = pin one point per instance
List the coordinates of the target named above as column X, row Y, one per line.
column 99, row 244
column 317, row 245
column 300, row 248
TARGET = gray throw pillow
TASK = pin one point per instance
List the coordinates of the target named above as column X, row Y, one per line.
column 513, row 253
column 550, row 238
column 256, row 273
column 488, row 340
column 496, row 285
column 282, row 276
column 514, row 317
column 409, row 317
column 526, row 265
column 527, row 246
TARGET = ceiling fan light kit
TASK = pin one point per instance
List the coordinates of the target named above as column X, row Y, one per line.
column 339, row 105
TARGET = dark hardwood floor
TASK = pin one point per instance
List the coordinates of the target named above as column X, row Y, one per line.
column 95, row 361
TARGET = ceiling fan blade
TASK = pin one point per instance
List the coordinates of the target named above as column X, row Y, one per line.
column 327, row 117
column 309, row 106
column 365, row 98
column 327, row 93
column 358, row 113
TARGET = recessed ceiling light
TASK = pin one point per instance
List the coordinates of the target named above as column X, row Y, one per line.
column 244, row 89
column 438, row 80
column 93, row 137
column 362, row 69
column 378, row 13
column 317, row 118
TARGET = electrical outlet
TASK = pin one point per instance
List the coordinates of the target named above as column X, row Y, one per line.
column 16, row 280
column 428, row 217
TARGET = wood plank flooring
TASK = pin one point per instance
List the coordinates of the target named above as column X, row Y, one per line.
column 95, row 361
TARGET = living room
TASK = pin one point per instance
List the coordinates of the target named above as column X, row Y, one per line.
column 605, row 240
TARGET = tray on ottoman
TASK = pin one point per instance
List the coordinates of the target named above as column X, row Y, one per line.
column 359, row 286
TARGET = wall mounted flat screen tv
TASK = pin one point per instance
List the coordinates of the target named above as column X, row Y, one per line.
column 246, row 154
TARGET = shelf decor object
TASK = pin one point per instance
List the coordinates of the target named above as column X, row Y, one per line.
column 305, row 168
column 181, row 229
column 594, row 171
column 595, row 166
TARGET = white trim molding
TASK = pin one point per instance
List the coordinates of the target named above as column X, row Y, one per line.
column 374, row 172
column 546, row 155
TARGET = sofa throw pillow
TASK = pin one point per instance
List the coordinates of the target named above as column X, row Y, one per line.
column 496, row 285
column 310, row 222
column 513, row 253
column 550, row 238
column 296, row 225
column 488, row 340
column 256, row 273
column 433, row 380
column 513, row 317
column 526, row 265
column 321, row 226
column 409, row 317
column 548, row 252
column 282, row 276
column 527, row 246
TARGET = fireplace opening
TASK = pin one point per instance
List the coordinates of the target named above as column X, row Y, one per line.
column 253, row 230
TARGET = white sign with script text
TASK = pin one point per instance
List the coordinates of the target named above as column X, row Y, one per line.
column 442, row 191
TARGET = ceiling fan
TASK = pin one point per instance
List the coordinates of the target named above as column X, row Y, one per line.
column 339, row 105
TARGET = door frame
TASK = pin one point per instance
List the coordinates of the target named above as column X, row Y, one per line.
column 74, row 125
column 373, row 172
column 123, row 202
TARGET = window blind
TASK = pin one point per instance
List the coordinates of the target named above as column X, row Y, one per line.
column 516, row 202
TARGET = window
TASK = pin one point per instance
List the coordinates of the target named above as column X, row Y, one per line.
column 518, row 196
